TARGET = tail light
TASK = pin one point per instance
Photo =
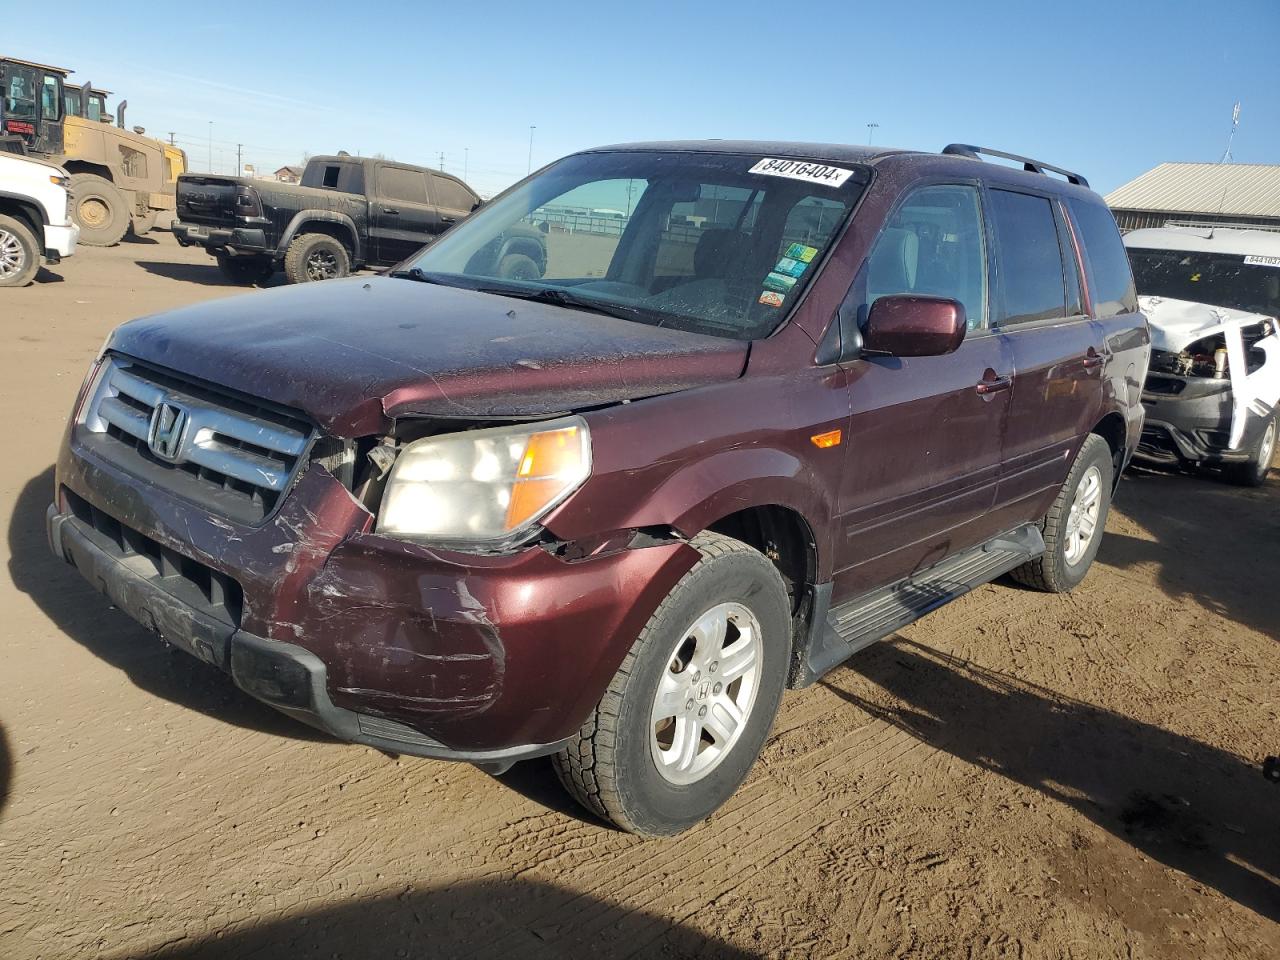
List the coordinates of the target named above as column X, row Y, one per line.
column 247, row 202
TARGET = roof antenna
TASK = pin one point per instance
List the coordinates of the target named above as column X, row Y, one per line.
column 1235, row 122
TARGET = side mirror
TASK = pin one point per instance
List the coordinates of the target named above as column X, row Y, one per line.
column 904, row 325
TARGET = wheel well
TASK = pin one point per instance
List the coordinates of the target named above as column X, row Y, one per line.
column 27, row 214
column 81, row 166
column 338, row 231
column 783, row 536
column 1111, row 428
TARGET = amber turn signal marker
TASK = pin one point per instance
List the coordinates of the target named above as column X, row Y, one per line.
column 829, row 439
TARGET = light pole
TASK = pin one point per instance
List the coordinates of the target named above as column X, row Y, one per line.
column 530, row 170
column 466, row 151
column 871, row 129
column 211, row 146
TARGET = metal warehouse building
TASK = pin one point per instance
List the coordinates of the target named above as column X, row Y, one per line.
column 1200, row 193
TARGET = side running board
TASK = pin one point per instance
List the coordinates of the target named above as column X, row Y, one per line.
column 840, row 632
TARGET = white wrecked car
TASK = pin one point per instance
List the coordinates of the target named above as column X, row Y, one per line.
column 1212, row 298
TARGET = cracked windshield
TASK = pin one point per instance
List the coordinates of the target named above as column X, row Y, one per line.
column 698, row 242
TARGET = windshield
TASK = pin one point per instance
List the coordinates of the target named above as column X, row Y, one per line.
column 1218, row 279
column 720, row 244
column 19, row 92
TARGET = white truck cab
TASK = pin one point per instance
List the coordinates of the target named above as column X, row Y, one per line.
column 35, row 217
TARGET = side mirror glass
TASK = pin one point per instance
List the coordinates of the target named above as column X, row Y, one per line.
column 905, row 325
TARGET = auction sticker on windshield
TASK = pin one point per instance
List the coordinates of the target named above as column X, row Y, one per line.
column 1258, row 261
column 803, row 170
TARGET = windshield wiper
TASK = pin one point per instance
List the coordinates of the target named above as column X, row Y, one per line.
column 564, row 298
column 418, row 274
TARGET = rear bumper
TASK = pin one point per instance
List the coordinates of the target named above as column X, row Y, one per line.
column 232, row 239
column 60, row 242
column 283, row 675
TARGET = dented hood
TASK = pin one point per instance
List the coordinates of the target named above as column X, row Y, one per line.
column 352, row 353
column 1176, row 324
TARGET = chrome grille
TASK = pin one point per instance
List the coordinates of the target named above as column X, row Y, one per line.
column 229, row 453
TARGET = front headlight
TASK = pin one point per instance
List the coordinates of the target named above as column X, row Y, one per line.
column 484, row 485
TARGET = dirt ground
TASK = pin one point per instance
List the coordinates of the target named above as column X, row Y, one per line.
column 1019, row 775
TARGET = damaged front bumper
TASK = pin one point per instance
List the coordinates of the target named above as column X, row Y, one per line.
column 288, row 677
column 483, row 659
column 1188, row 420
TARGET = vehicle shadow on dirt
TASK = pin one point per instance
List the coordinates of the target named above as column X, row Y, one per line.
column 1201, row 810
column 523, row 919
column 85, row 616
column 6, row 771
column 208, row 274
column 1213, row 542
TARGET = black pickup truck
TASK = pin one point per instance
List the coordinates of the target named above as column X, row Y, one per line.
column 347, row 212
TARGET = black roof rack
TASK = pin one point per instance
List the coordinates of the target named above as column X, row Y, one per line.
column 1034, row 166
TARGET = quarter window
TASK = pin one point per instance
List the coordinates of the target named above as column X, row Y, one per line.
column 1030, row 258
column 1110, row 280
column 933, row 246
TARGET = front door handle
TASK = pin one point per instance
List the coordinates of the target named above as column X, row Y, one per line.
column 991, row 383
column 448, row 219
column 392, row 211
column 1093, row 359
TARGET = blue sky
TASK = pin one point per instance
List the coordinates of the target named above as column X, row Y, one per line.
column 1106, row 88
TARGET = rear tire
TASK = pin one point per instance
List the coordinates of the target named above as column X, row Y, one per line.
column 517, row 266
column 100, row 209
column 246, row 271
column 19, row 253
column 1253, row 472
column 1073, row 526
column 316, row 256
column 670, row 740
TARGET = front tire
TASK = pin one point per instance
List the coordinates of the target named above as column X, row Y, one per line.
column 316, row 256
column 1253, row 472
column 100, row 209
column 1073, row 526
column 689, row 709
column 19, row 253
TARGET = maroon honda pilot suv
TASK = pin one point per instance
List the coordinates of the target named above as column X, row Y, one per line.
column 764, row 404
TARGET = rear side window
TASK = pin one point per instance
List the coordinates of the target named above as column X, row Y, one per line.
column 1110, row 280
column 400, row 183
column 340, row 176
column 451, row 195
column 1029, row 259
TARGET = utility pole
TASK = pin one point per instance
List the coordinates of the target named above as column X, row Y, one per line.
column 466, row 151
column 530, row 170
column 211, row 146
column 239, row 147
column 871, row 130
column 442, row 161
column 171, row 143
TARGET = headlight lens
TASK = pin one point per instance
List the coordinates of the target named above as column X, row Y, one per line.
column 484, row 485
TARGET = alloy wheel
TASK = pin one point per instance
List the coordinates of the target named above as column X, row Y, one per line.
column 1082, row 519
column 322, row 265
column 13, row 258
column 705, row 695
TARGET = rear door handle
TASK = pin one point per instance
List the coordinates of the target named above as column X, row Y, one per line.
column 993, row 384
column 448, row 219
column 1093, row 359
column 391, row 210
